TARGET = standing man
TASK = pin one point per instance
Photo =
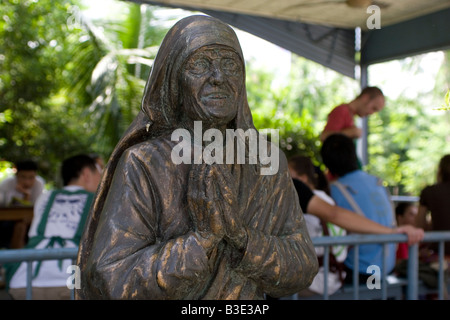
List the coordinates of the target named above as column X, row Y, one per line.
column 341, row 118
column 58, row 222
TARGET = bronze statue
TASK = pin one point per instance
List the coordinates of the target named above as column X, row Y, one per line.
column 165, row 229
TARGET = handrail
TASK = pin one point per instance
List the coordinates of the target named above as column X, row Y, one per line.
column 404, row 198
column 413, row 257
column 430, row 236
column 16, row 255
column 30, row 255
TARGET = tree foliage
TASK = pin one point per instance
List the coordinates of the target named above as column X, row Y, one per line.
column 299, row 108
column 410, row 135
column 32, row 66
column 66, row 86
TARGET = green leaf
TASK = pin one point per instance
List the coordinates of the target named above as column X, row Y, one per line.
column 447, row 98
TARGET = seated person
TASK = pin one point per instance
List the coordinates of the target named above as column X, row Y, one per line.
column 347, row 219
column 24, row 187
column 21, row 189
column 59, row 217
column 362, row 193
column 405, row 213
column 434, row 203
column 302, row 168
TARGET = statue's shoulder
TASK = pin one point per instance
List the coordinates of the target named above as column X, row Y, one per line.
column 156, row 151
column 161, row 145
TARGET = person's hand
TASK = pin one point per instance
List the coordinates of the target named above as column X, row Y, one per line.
column 414, row 234
column 26, row 192
column 225, row 184
column 202, row 197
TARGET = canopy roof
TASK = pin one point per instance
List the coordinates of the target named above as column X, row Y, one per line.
column 324, row 30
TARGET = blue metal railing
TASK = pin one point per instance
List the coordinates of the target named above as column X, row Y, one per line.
column 413, row 259
column 30, row 255
column 396, row 199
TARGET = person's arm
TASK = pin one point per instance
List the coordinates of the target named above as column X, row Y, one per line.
column 354, row 222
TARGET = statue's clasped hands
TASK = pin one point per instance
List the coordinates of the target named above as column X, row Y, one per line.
column 213, row 206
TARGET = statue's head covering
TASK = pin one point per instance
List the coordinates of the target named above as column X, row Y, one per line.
column 160, row 108
column 161, row 96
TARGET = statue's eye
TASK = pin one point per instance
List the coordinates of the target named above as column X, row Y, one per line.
column 229, row 66
column 199, row 66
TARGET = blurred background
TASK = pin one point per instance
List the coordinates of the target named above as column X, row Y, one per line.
column 72, row 75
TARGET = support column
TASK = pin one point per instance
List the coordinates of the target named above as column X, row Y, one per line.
column 363, row 143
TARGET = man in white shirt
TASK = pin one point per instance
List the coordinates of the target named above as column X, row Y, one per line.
column 24, row 187
column 21, row 189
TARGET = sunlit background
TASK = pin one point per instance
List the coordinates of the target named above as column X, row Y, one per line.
column 412, row 78
column 77, row 84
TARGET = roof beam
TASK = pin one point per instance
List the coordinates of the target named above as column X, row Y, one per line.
column 419, row 35
column 331, row 47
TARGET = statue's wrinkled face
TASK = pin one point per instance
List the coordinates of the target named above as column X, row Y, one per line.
column 211, row 81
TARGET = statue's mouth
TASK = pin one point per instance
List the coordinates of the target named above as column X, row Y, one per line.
column 215, row 96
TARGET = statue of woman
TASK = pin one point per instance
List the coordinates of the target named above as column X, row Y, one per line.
column 195, row 230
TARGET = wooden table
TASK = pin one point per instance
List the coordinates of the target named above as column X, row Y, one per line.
column 16, row 213
column 22, row 217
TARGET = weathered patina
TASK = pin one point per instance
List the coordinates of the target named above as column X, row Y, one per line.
column 162, row 230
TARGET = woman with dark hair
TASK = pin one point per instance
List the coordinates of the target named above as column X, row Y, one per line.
column 161, row 230
column 435, row 199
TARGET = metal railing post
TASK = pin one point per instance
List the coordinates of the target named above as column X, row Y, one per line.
column 326, row 267
column 384, row 274
column 413, row 272
column 441, row 281
column 356, row 272
column 29, row 292
column 72, row 291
